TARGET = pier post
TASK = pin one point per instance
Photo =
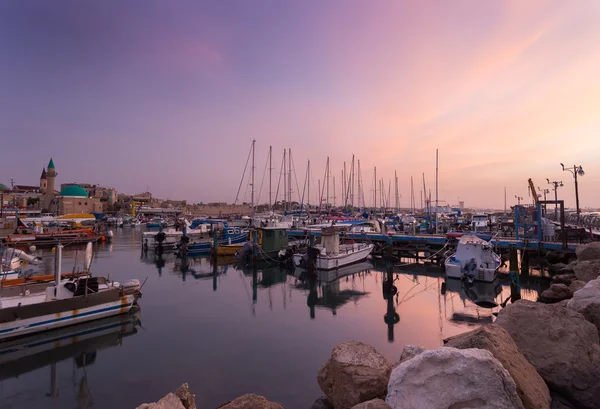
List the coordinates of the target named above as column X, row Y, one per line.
column 525, row 263
column 391, row 317
column 515, row 285
column 254, row 284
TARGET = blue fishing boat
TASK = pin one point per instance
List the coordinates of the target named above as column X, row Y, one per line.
column 227, row 235
column 155, row 223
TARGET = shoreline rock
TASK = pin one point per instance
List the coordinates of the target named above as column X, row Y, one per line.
column 181, row 399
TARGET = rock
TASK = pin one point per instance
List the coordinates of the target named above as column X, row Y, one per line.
column 530, row 386
column 372, row 404
column 452, row 378
column 556, row 293
column 555, row 268
column 564, row 278
column 590, row 251
column 560, row 402
column 187, row 399
column 589, row 294
column 322, row 403
column 251, row 401
column 591, row 312
column 355, row 373
column 410, row 351
column 587, row 270
column 560, row 344
column 577, row 285
column 171, row 401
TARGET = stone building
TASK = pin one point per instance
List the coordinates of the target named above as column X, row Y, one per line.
column 74, row 199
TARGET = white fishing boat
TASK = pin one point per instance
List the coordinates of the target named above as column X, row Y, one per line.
column 334, row 255
column 172, row 237
column 473, row 260
column 17, row 263
column 32, row 308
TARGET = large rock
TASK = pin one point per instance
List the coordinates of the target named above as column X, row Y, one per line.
column 322, row 403
column 556, row 268
column 251, row 401
column 577, row 285
column 452, row 378
column 591, row 312
column 372, row 404
column 171, row 401
column 589, row 294
column 556, row 293
column 409, row 352
column 590, row 251
column 560, row 344
column 530, row 386
column 355, row 373
column 587, row 270
column 566, row 278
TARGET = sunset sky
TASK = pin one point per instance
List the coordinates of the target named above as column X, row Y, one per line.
column 169, row 95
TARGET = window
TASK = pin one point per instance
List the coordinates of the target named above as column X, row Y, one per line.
column 79, row 203
column 86, row 203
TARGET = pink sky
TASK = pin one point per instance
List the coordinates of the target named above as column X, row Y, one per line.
column 170, row 97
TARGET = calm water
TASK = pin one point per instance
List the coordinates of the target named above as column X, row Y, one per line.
column 228, row 332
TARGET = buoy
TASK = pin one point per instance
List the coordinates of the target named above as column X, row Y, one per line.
column 32, row 249
column 53, row 249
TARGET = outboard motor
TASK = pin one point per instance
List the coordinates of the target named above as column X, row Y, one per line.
column 246, row 248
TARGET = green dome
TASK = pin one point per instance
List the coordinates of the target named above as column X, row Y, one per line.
column 3, row 187
column 74, row 191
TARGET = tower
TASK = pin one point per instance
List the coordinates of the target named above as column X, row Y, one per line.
column 43, row 181
column 49, row 193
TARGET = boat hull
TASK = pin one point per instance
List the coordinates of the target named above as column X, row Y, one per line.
column 206, row 247
column 358, row 253
column 70, row 315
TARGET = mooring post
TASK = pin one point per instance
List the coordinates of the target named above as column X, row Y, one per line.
column 513, row 258
column 391, row 317
column 525, row 263
column 515, row 286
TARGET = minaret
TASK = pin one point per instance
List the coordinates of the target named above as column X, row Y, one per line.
column 49, row 193
column 43, row 181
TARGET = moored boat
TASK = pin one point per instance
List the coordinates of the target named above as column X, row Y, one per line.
column 473, row 260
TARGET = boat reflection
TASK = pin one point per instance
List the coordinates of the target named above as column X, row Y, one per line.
column 325, row 289
column 79, row 342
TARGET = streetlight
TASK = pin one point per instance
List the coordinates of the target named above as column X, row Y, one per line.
column 577, row 170
column 556, row 185
column 519, row 198
column 544, row 191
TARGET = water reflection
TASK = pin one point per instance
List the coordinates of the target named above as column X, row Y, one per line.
column 81, row 343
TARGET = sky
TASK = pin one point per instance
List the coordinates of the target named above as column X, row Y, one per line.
column 168, row 96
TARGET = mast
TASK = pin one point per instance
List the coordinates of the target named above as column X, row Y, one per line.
column 412, row 196
column 359, row 185
column 375, row 186
column 333, row 191
column 352, row 182
column 388, row 196
column 270, row 177
column 436, row 191
column 252, row 199
column 284, row 180
column 344, row 187
column 308, row 173
column 396, row 189
column 426, row 209
column 290, row 178
column 327, row 179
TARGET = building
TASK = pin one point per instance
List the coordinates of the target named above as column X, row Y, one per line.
column 74, row 199
column 49, row 192
column 461, row 205
column 107, row 195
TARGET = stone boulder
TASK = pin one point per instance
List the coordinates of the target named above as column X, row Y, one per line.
column 355, row 373
column 409, row 352
column 587, row 270
column 322, row 403
column 560, row 344
column 530, row 386
column 577, row 285
column 187, row 399
column 251, row 401
column 372, row 404
column 589, row 294
column 452, row 378
column 171, row 401
column 556, row 293
column 556, row 268
column 590, row 251
column 564, row 278
column 591, row 312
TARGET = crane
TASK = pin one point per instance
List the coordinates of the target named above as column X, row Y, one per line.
column 533, row 191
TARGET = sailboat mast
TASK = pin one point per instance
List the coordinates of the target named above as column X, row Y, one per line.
column 396, row 190
column 334, row 191
column 308, row 173
column 352, row 182
column 284, row 180
column 375, row 186
column 359, row 186
column 344, row 187
column 290, row 178
column 271, row 177
column 252, row 198
column 436, row 191
column 327, row 179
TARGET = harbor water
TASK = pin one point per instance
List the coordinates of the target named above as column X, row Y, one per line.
column 228, row 330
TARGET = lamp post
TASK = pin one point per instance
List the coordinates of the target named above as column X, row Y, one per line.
column 577, row 170
column 519, row 198
column 544, row 191
column 555, row 185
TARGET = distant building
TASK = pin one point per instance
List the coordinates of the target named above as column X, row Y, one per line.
column 461, row 205
column 74, row 199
